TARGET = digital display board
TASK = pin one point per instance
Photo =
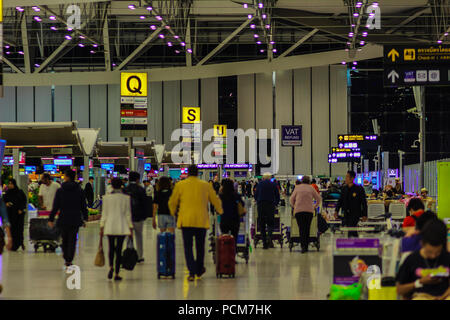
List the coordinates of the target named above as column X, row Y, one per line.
column 50, row 168
column 8, row 161
column 63, row 162
column 30, row 169
column 107, row 166
column 351, row 156
column 147, row 166
column 175, row 173
column 358, row 141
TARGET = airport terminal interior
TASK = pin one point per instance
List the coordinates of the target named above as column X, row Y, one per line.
column 225, row 150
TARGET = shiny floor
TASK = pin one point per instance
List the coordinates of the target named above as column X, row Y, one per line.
column 270, row 274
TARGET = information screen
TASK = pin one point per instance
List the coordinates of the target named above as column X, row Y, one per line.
column 50, row 168
column 63, row 162
column 8, row 161
column 107, row 166
column 175, row 173
column 147, row 166
column 30, row 169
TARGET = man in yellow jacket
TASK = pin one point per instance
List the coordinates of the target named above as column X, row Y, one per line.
column 189, row 201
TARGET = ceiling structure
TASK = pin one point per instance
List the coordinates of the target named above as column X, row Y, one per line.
column 120, row 35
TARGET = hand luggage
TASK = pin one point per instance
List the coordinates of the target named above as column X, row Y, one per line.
column 100, row 257
column 43, row 236
column 129, row 256
column 225, row 256
column 165, row 251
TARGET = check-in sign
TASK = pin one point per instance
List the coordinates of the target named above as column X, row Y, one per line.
column 191, row 115
column 133, row 84
column 220, row 130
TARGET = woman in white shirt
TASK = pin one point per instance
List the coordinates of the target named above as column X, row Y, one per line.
column 116, row 224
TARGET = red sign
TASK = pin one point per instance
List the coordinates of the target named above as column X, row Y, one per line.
column 133, row 113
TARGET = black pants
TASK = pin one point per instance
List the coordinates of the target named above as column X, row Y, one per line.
column 266, row 211
column 304, row 224
column 351, row 221
column 17, row 222
column 195, row 266
column 69, row 242
column 230, row 227
column 115, row 249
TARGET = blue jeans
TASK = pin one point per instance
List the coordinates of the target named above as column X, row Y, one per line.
column 166, row 221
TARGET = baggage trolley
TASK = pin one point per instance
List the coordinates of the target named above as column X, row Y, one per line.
column 243, row 239
column 43, row 236
column 276, row 232
column 294, row 236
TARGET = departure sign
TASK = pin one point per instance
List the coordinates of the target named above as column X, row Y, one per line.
column 360, row 142
column 347, row 156
column 417, row 55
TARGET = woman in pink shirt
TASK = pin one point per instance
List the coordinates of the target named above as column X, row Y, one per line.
column 302, row 200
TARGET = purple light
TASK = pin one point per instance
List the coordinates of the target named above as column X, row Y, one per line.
column 351, row 34
column 176, row 37
column 355, row 63
column 95, row 45
column 375, row 4
column 153, row 27
column 69, row 29
column 189, row 50
column 183, row 44
column 167, row 27
column 349, row 43
column 256, row 36
column 343, row 62
column 36, row 9
column 362, row 43
column 7, row 52
column 53, row 28
column 274, row 50
column 439, row 41
column 161, row 36
column 245, row 6
column 169, row 44
column 264, row 16
column 371, row 15
column 81, row 45
column 359, row 4
column 142, row 17
column 82, row 37
column 252, row 26
column 53, row 18
column 250, row 16
column 446, row 34
column 353, row 25
column 177, row 51
column 149, row 8
column 260, row 5
column 6, row 47
column 262, row 50
column 37, row 65
column 158, row 18
column 38, row 19
column 258, row 42
column 131, row 7
column 21, row 52
column 356, row 14
column 68, row 37
column 267, row 26
column 114, row 65
column 272, row 42
column 364, row 34
column 92, row 51
column 20, row 9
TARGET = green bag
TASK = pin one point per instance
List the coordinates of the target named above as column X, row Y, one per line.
column 351, row 292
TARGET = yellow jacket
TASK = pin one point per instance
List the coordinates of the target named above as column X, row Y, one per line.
column 191, row 197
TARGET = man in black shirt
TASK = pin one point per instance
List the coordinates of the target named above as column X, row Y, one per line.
column 352, row 202
column 424, row 275
column 89, row 192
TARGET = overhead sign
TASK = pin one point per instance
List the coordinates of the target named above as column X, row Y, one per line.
column 358, row 142
column 220, row 130
column 220, row 140
column 2, row 151
column 133, row 105
column 191, row 115
column 416, row 65
column 291, row 136
column 133, row 84
column 347, row 156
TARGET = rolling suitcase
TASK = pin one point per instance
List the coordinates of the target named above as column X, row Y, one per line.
column 41, row 235
column 166, row 255
column 225, row 256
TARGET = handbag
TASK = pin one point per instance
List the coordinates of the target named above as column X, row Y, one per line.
column 100, row 257
column 241, row 209
column 322, row 224
column 129, row 256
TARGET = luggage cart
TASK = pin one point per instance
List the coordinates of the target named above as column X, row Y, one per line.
column 42, row 236
column 276, row 232
column 294, row 234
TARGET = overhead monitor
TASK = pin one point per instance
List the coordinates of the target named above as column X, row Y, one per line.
column 107, row 166
column 147, row 166
column 50, row 168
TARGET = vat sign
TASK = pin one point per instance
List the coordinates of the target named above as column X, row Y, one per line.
column 291, row 136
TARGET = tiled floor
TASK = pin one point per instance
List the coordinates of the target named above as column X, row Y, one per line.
column 270, row 274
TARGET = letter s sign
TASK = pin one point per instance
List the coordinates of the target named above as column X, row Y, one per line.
column 74, row 21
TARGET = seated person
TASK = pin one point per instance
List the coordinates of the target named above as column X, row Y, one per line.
column 425, row 273
column 414, row 210
column 425, row 198
column 411, row 241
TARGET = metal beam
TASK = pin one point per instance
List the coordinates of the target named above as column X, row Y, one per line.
column 188, row 44
column 107, row 48
column 9, row 63
column 370, row 51
column 138, row 50
column 25, row 44
column 298, row 43
column 225, row 42
column 408, row 20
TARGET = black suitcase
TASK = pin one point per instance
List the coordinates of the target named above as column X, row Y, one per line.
column 39, row 230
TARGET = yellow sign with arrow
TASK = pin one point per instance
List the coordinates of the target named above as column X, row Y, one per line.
column 393, row 54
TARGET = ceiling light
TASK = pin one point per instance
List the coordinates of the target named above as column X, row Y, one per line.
column 38, row 19
column 256, row 36
column 81, row 45
column 68, row 37
column 250, row 16
column 446, row 34
column 161, row 36
column 159, row 18
column 274, row 50
column 359, row 4
column 92, row 51
column 177, row 51
column 356, row 14
column 176, row 37
column 153, row 27
column 7, row 52
column 260, row 5
column 149, row 8
column 267, row 26
column 183, row 43
column 264, row 16
column 272, row 42
column 53, row 28
column 69, row 29
column 167, row 27
column 53, row 18
column 375, row 4
column 439, row 41
column 343, row 62
column 364, row 34
column 7, row 47
column 131, row 7
column 362, row 43
column 20, row 9
column 189, row 50
column 82, row 37
column 258, row 42
column 262, row 50
column 245, row 6
column 252, row 26
column 36, row 9
column 169, row 44
column 37, row 65
column 21, row 52
column 142, row 17
column 355, row 63
column 95, row 45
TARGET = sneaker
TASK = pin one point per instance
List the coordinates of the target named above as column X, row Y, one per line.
column 191, row 278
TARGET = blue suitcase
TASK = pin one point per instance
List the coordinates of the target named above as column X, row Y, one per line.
column 166, row 255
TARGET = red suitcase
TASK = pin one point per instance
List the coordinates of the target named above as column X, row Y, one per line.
column 226, row 255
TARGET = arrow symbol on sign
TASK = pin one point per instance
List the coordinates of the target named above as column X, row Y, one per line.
column 392, row 75
column 392, row 54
